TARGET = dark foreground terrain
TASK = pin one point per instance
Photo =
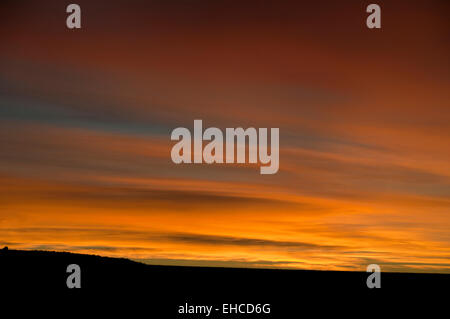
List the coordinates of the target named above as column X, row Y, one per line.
column 112, row 286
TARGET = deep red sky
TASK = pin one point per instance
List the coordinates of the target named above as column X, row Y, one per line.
column 86, row 117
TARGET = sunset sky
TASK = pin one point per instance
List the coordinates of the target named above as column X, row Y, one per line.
column 364, row 118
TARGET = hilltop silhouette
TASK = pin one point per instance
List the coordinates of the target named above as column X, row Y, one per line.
column 164, row 288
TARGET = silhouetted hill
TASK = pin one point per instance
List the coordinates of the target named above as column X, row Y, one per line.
column 125, row 284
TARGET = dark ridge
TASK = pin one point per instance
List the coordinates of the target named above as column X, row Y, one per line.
column 133, row 285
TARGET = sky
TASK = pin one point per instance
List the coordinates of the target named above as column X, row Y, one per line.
column 86, row 117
